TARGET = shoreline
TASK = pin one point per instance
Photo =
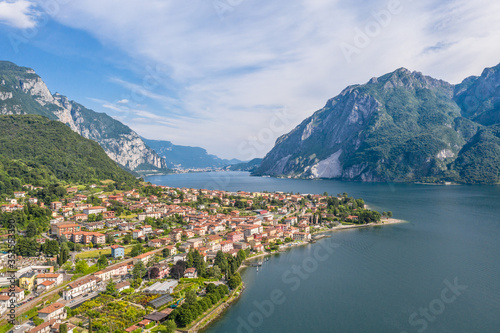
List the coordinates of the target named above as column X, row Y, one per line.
column 387, row 221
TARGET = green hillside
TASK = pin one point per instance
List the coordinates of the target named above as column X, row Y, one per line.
column 39, row 151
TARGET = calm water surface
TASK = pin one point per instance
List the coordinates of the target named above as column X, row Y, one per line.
column 437, row 273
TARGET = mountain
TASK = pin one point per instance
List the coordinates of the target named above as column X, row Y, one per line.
column 186, row 157
column 251, row 165
column 22, row 91
column 401, row 127
column 39, row 151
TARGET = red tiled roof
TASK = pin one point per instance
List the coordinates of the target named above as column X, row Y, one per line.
column 51, row 308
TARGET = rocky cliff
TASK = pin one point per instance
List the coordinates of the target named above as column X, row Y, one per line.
column 22, row 91
column 403, row 126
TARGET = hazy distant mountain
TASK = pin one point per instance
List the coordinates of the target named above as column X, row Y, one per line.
column 400, row 127
column 251, row 165
column 186, row 157
column 24, row 92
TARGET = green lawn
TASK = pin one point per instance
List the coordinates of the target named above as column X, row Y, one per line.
column 5, row 327
column 98, row 253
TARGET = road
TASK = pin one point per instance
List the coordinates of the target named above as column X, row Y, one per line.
column 79, row 300
column 22, row 328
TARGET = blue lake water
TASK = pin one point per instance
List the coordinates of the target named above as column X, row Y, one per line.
column 440, row 272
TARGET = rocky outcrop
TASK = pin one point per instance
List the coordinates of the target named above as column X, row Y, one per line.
column 403, row 126
column 24, row 92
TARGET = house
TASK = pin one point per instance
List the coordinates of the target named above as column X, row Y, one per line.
column 172, row 250
column 302, row 236
column 226, row 246
column 137, row 233
column 196, row 242
column 108, row 273
column 143, row 323
column 71, row 190
column 241, row 245
column 252, row 229
column 132, row 328
column 191, row 273
column 154, row 215
column 45, row 327
column 4, row 303
column 235, row 236
column 69, row 326
column 18, row 293
column 145, row 257
column 55, row 205
column 19, row 194
column 155, row 243
column 44, row 286
column 258, row 248
column 59, row 229
column 122, row 286
column 53, row 277
column 27, row 280
column 108, row 214
column 53, row 311
column 79, row 287
column 91, row 226
column 94, row 210
column 80, row 217
column 117, row 251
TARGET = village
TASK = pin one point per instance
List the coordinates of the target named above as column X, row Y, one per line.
column 155, row 251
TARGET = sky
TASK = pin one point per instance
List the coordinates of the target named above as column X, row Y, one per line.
column 231, row 76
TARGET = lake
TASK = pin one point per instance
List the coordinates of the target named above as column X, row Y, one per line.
column 439, row 272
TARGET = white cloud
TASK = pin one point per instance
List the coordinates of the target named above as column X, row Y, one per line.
column 18, row 14
column 219, row 79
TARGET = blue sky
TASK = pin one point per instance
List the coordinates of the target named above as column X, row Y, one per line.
column 233, row 75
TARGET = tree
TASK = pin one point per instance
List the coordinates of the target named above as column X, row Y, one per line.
column 177, row 271
column 241, row 256
column 154, row 272
column 170, row 326
column 215, row 272
column 64, row 253
column 37, row 320
column 110, row 239
column 185, row 317
column 211, row 288
column 63, row 328
column 221, row 261
column 127, row 239
column 102, row 261
column 31, row 230
column 389, row 214
column 234, row 281
column 81, row 266
column 136, row 250
column 111, row 288
column 139, row 270
column 51, row 248
column 136, row 283
column 191, row 297
column 26, row 247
